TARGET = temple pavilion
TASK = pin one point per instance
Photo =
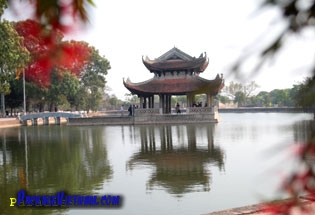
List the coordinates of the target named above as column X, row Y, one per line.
column 175, row 73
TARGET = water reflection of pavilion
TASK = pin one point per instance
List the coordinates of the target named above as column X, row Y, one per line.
column 181, row 161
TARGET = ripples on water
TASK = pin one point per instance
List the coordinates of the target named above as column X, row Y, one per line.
column 173, row 169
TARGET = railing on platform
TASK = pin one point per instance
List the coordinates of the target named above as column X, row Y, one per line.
column 188, row 110
column 197, row 110
column 149, row 111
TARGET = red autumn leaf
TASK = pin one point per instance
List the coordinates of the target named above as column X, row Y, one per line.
column 48, row 52
column 73, row 56
column 37, row 72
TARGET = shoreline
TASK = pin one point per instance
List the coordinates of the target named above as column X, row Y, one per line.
column 260, row 208
column 264, row 110
column 115, row 118
column 9, row 122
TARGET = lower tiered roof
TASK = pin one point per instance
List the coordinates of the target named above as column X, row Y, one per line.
column 175, row 86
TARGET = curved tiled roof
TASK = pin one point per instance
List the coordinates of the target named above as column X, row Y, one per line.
column 175, row 86
column 176, row 73
column 176, row 59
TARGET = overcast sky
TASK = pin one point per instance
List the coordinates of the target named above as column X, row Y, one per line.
column 125, row 30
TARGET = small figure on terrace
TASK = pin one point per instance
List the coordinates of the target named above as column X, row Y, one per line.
column 177, row 108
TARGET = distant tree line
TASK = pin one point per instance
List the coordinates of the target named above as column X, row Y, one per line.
column 245, row 96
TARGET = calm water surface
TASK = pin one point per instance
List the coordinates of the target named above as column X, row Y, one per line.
column 172, row 169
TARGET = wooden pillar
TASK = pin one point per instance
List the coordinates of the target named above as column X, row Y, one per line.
column 149, row 102
column 152, row 101
column 161, row 103
column 169, row 103
column 145, row 106
column 141, row 102
column 190, row 99
column 211, row 103
column 208, row 100
column 166, row 104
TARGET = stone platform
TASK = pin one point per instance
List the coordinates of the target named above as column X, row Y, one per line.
column 145, row 119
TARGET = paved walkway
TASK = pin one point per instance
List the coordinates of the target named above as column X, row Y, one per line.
column 9, row 122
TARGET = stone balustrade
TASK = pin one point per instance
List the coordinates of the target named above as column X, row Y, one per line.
column 148, row 111
column 199, row 110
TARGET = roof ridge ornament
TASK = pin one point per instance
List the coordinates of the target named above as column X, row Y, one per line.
column 174, row 52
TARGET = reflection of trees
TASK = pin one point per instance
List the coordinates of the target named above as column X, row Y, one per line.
column 180, row 161
column 54, row 158
column 304, row 133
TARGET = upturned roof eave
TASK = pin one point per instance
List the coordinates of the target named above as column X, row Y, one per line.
column 155, row 86
column 199, row 64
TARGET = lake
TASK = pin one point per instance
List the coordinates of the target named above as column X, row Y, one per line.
column 171, row 169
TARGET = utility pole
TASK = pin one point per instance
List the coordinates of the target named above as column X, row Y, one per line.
column 2, row 104
column 24, row 97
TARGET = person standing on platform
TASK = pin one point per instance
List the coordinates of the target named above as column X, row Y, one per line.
column 177, row 108
column 122, row 110
column 130, row 110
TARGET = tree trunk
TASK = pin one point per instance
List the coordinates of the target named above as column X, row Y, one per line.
column 50, row 107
